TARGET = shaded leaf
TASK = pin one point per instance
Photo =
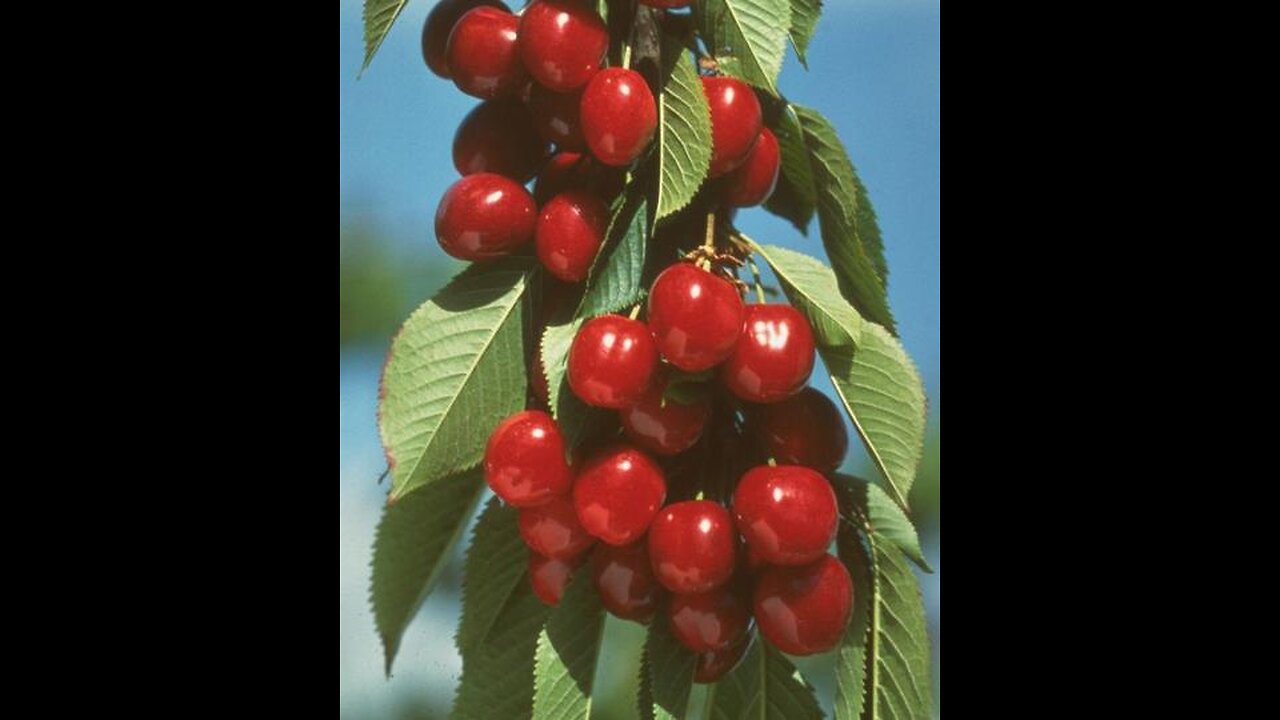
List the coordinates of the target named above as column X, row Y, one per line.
column 497, row 676
column 565, row 663
column 794, row 198
column 668, row 669
column 883, row 515
column 765, row 685
column 616, row 278
column 495, row 569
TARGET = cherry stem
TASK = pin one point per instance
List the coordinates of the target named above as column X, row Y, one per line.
column 708, row 242
column 635, row 311
column 755, row 273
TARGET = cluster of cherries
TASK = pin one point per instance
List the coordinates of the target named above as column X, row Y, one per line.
column 540, row 78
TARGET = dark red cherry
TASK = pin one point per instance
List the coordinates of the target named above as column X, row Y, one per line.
column 618, row 116
column 573, row 171
column 440, row 21
column 709, row 621
column 497, row 136
column 562, row 42
column 787, row 514
column 804, row 609
column 753, row 182
column 618, row 493
column 696, row 317
column 773, row 357
column 555, row 117
column 485, row 216
column 553, row 529
column 665, row 428
column 736, row 120
column 691, row 546
column 804, row 429
column 549, row 577
column 524, row 461
column 482, row 53
column 625, row 581
column 569, row 232
column 712, row 666
column 612, row 361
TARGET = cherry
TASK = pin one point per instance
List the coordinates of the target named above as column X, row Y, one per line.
column 611, row 361
column 562, row 43
column 482, row 54
column 524, row 461
column 712, row 666
column 753, row 182
column 618, row 493
column 440, row 21
column 773, row 357
column 618, row 115
column 691, row 545
column 787, row 514
column 569, row 232
column 625, row 581
column 549, row 577
column 665, row 428
column 497, row 136
column 573, row 171
column 803, row 610
column 555, row 117
column 710, row 621
column 553, row 530
column 695, row 316
column 804, row 429
column 484, row 216
column 736, row 120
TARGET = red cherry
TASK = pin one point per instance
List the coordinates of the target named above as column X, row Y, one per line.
column 736, row 120
column 787, row 514
column 753, row 182
column 440, row 21
column 709, row 621
column 712, row 666
column 549, row 577
column 618, row 493
column 524, row 461
column 803, row 610
column 569, row 232
column 695, row 316
column 482, row 54
column 625, row 581
column 773, row 357
column 804, row 429
column 555, row 118
column 665, row 428
column 484, row 216
column 553, row 530
column 612, row 361
column 691, row 545
column 497, row 136
column 618, row 116
column 572, row 171
column 562, row 43
column 752, row 560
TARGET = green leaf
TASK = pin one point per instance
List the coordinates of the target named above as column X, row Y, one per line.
column 414, row 541
column 667, row 670
column 747, row 37
column 497, row 676
column 379, row 16
column 765, row 685
column 578, row 421
column 684, row 123
column 616, row 276
column 794, row 198
column 565, row 663
column 494, row 571
column 851, row 655
column 804, row 20
column 883, row 515
column 811, row 287
column 456, row 369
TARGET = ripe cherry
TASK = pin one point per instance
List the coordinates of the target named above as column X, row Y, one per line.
column 484, row 216
column 440, row 21
column 569, row 232
column 618, row 493
column 787, row 514
column 625, row 581
column 773, row 357
column 612, row 361
column 562, row 43
column 549, row 577
column 555, row 117
column 804, row 609
column 696, row 317
column 553, row 530
column 619, row 116
column 691, row 546
column 482, row 54
column 736, row 120
column 710, row 621
column 498, row 136
column 804, row 429
column 665, row 427
column 753, row 182
column 712, row 666
column 524, row 461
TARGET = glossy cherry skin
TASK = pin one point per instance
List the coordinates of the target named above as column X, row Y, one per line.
column 549, row 577
column 618, row 115
column 440, row 21
column 618, row 493
column 562, row 43
column 710, row 621
column 483, row 56
column 664, row 428
column 625, row 581
column 753, row 182
column 485, row 216
column 574, row 171
column 524, row 461
column 736, row 120
column 696, row 317
column 773, row 357
column 691, row 546
column 555, row 117
column 552, row 529
column 569, row 232
column 712, row 666
column 804, row 429
column 804, row 609
column 497, row 136
column 787, row 514
column 612, row 361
